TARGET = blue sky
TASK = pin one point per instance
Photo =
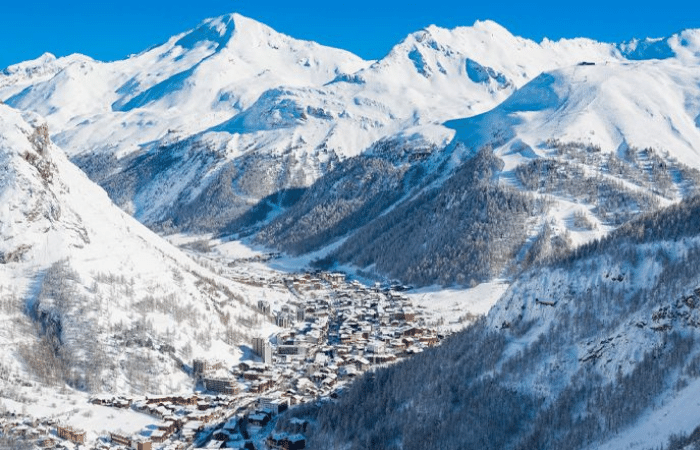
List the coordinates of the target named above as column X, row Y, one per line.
column 112, row 30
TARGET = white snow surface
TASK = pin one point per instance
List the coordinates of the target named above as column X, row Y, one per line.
column 613, row 106
column 455, row 308
column 677, row 416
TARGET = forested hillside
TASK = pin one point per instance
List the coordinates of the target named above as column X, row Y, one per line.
column 576, row 353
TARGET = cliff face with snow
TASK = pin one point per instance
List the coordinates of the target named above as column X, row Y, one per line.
column 92, row 297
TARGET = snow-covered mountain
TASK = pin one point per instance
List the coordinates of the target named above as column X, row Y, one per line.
column 612, row 106
column 233, row 126
column 94, row 297
column 583, row 149
column 199, row 131
column 223, row 64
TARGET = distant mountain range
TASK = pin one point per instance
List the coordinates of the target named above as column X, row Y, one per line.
column 234, row 128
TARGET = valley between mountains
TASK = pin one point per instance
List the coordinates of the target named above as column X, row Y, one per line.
column 239, row 239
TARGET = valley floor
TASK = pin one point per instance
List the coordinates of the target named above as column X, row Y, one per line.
column 324, row 330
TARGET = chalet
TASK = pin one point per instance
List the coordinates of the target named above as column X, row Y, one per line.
column 143, row 445
column 120, row 439
column 190, row 429
column 361, row 363
column 317, row 376
column 292, row 397
column 205, row 416
column 47, row 442
column 406, row 316
column 115, row 402
column 429, row 340
column 315, row 336
column 259, row 419
column 411, row 331
column 285, row 442
column 159, row 436
column 254, row 366
column 251, row 375
column 299, row 350
column 305, row 385
column 71, row 434
column 160, row 412
column 330, row 380
column 169, row 426
column 349, row 372
column 262, row 385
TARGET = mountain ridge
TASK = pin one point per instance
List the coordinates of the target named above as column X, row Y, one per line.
column 240, row 121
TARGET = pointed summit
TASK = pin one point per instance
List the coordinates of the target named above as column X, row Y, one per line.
column 490, row 26
column 215, row 31
column 220, row 31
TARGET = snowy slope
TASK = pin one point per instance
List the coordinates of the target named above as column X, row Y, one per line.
column 87, row 283
column 611, row 106
column 618, row 314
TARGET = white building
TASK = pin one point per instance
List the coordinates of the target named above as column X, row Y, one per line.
column 262, row 348
column 273, row 405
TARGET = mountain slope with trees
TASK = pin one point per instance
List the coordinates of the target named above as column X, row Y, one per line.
column 588, row 349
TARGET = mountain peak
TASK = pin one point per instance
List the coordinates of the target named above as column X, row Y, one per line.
column 442, row 34
column 639, row 49
column 490, row 26
column 220, row 30
column 216, row 31
column 684, row 44
column 42, row 60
